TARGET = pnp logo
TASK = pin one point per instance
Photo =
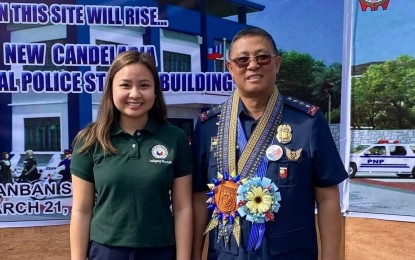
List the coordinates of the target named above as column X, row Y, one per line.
column 373, row 4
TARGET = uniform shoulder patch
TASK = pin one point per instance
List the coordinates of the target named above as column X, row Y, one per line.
column 301, row 105
column 210, row 113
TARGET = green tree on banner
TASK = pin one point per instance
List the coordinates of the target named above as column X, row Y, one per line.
column 384, row 96
column 303, row 77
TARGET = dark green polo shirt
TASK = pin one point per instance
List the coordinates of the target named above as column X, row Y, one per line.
column 133, row 199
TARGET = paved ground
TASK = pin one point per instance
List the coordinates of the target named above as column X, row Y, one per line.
column 382, row 195
column 397, row 184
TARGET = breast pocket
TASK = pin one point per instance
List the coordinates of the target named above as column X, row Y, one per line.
column 287, row 172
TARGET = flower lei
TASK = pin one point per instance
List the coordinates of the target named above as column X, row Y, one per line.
column 258, row 200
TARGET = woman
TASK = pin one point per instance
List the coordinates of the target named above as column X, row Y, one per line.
column 5, row 172
column 123, row 168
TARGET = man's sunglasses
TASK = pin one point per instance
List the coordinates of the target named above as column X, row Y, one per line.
column 243, row 62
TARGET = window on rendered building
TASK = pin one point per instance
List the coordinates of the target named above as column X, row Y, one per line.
column 42, row 134
column 176, row 62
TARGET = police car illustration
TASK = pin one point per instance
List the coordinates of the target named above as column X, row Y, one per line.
column 384, row 156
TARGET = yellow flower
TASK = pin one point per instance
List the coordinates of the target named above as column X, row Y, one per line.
column 259, row 200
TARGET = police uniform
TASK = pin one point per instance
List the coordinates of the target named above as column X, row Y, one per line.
column 133, row 188
column 310, row 159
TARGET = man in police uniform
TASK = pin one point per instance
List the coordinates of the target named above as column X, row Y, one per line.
column 285, row 143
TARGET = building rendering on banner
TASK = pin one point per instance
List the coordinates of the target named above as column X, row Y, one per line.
column 189, row 41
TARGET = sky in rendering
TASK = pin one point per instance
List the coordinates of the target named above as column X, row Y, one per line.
column 316, row 27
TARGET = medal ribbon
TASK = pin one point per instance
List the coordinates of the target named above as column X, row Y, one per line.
column 260, row 139
column 262, row 169
column 252, row 161
column 257, row 229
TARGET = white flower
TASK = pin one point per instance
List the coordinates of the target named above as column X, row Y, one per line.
column 259, row 200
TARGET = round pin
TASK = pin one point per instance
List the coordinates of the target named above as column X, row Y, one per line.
column 274, row 152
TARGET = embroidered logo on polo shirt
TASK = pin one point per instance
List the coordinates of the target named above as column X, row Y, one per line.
column 159, row 151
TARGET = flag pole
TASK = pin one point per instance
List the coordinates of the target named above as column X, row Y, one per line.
column 224, row 54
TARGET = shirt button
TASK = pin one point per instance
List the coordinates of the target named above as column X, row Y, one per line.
column 133, row 145
column 138, row 133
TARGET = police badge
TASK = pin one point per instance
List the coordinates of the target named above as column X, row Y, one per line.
column 284, row 135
